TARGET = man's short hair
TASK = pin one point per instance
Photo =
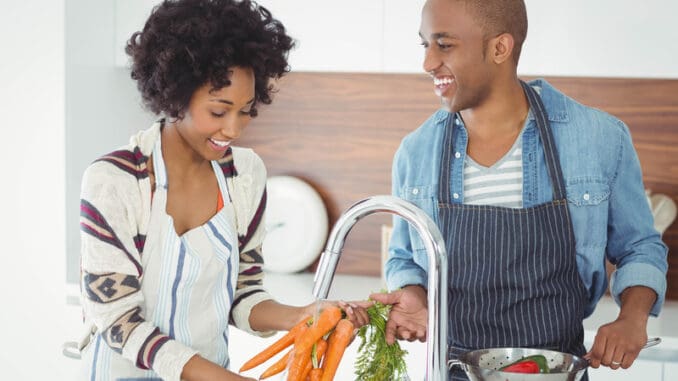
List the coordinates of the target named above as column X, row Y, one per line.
column 501, row 16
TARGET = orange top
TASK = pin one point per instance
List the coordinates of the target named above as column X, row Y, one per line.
column 220, row 202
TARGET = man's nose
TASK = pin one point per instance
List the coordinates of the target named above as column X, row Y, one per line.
column 431, row 61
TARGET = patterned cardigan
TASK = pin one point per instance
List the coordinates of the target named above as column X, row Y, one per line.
column 114, row 215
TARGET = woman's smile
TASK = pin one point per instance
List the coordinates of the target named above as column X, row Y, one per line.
column 219, row 145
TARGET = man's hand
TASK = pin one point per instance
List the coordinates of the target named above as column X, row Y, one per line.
column 618, row 343
column 409, row 313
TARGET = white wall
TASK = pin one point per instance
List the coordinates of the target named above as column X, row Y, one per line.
column 103, row 107
column 32, row 193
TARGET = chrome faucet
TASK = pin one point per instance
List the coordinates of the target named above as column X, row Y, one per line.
column 436, row 345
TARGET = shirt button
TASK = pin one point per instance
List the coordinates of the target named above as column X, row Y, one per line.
column 455, row 195
column 457, row 155
column 586, row 196
column 457, row 122
column 415, row 191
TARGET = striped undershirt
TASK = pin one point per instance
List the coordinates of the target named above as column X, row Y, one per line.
column 500, row 184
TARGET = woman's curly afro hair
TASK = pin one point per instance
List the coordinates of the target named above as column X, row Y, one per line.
column 186, row 44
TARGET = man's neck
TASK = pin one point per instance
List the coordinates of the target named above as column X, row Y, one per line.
column 502, row 113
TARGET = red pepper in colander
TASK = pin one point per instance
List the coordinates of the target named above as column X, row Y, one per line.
column 525, row 366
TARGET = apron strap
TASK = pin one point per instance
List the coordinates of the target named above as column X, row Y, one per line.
column 446, row 161
column 159, row 165
column 550, row 150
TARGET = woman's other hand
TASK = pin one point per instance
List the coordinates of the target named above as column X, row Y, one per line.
column 356, row 311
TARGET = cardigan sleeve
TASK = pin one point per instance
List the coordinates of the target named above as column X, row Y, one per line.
column 111, row 271
column 248, row 190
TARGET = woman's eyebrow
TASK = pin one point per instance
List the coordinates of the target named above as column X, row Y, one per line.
column 227, row 101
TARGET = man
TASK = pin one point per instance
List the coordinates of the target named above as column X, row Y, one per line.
column 531, row 190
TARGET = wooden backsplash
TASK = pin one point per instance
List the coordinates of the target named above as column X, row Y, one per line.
column 339, row 132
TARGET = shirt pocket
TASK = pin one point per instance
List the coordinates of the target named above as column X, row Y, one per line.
column 587, row 193
column 588, row 202
column 424, row 197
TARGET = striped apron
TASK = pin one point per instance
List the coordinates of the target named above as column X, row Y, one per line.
column 188, row 283
column 513, row 274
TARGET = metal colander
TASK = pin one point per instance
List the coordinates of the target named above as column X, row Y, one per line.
column 483, row 365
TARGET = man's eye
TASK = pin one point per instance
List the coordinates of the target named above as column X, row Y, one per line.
column 424, row 44
column 444, row 46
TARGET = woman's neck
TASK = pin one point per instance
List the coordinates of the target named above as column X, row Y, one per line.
column 181, row 160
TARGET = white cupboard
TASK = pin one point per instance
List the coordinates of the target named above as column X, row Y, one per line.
column 671, row 371
column 565, row 38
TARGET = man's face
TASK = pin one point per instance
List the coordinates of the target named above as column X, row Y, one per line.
column 454, row 54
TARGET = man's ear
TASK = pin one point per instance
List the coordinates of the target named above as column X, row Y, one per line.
column 501, row 48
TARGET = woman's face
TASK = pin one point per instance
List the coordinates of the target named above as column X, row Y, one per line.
column 454, row 54
column 215, row 118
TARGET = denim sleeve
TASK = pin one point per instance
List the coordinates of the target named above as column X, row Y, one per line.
column 401, row 269
column 633, row 245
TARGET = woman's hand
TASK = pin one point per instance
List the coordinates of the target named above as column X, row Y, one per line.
column 356, row 311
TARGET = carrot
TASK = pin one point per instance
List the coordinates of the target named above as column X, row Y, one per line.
column 300, row 357
column 277, row 367
column 336, row 345
column 327, row 319
column 317, row 354
column 316, row 374
column 276, row 347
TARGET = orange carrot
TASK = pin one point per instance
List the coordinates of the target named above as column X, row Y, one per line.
column 317, row 354
column 327, row 319
column 277, row 367
column 300, row 357
column 276, row 347
column 336, row 345
column 316, row 374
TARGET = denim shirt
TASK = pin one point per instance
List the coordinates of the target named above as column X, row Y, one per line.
column 606, row 198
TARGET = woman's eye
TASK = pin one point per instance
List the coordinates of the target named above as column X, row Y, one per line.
column 246, row 112
column 217, row 115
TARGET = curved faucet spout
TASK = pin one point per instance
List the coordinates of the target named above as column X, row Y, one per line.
column 436, row 346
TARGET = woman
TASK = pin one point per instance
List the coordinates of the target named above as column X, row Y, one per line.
column 172, row 223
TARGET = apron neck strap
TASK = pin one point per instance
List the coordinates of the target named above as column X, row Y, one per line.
column 159, row 165
column 546, row 135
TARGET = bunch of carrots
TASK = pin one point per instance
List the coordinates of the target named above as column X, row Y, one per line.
column 317, row 350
